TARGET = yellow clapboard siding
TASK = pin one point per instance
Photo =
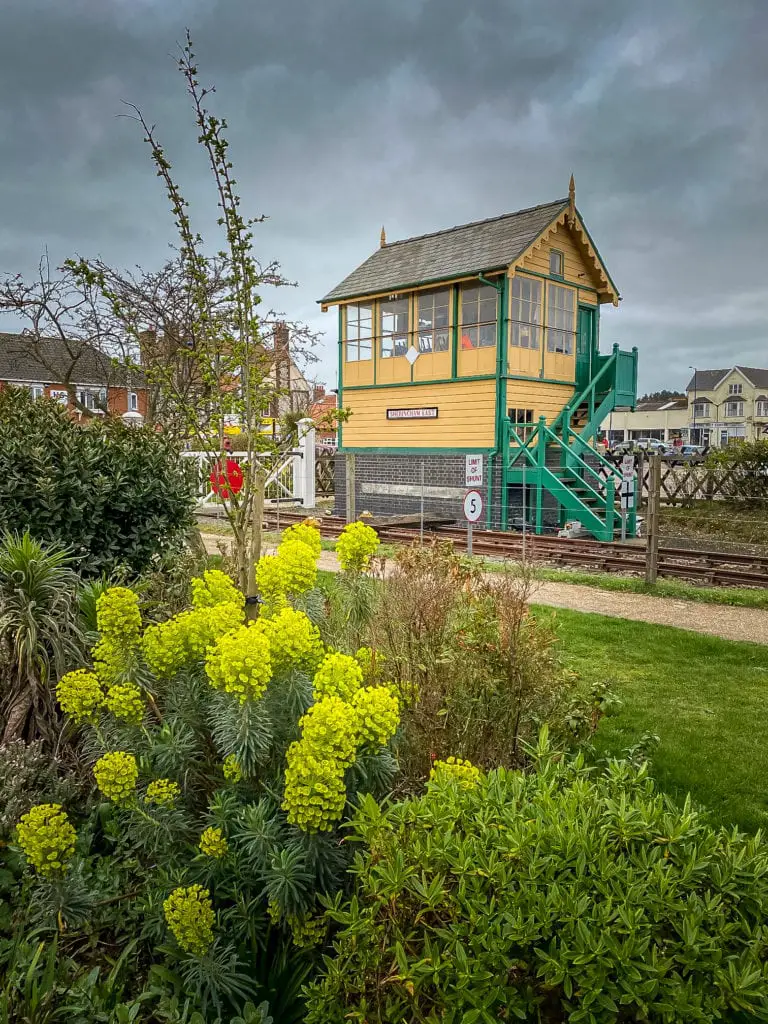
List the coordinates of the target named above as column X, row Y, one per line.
column 588, row 298
column 545, row 399
column 466, row 412
column 576, row 270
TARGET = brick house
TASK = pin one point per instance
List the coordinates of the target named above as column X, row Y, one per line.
column 73, row 373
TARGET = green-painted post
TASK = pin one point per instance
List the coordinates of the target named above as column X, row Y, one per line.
column 455, row 332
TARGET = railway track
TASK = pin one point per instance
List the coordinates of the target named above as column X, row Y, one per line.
column 712, row 568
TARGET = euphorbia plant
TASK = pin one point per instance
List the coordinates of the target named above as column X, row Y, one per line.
column 224, row 773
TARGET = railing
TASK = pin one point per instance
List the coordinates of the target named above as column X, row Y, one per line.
column 616, row 380
column 290, row 475
column 579, row 479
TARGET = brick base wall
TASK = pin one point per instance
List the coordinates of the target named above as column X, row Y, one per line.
column 390, row 484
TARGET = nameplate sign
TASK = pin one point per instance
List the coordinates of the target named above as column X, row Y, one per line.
column 428, row 413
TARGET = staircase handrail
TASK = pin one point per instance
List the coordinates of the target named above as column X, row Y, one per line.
column 572, row 435
column 565, row 414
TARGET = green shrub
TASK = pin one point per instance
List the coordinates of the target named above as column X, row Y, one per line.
column 111, row 494
column 564, row 894
column 743, row 468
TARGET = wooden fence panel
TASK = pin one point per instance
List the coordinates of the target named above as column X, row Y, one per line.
column 324, row 477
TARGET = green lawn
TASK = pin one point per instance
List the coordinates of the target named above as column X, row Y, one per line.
column 705, row 698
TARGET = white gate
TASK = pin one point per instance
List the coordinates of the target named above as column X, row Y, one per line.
column 290, row 478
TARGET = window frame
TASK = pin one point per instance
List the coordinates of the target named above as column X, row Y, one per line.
column 477, row 324
column 37, row 391
column 133, row 401
column 568, row 334
column 358, row 344
column 701, row 408
column 738, row 403
column 419, row 333
column 761, row 407
column 403, row 335
column 735, row 389
column 560, row 275
column 535, row 328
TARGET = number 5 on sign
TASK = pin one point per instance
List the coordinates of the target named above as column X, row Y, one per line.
column 473, row 506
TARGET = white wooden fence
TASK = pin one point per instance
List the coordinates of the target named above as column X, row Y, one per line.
column 290, row 477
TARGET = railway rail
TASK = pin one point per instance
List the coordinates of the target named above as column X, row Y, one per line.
column 712, row 568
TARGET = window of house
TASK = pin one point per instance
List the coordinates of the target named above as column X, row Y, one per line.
column 526, row 312
column 478, row 316
column 92, row 399
column 701, row 409
column 734, row 389
column 393, row 326
column 432, row 321
column 36, row 390
column 734, row 408
column 761, row 406
column 561, row 319
column 133, row 402
column 556, row 262
column 359, row 332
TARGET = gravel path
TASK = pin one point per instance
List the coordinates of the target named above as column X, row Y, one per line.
column 729, row 622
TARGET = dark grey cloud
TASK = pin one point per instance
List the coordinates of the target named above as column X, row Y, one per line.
column 418, row 114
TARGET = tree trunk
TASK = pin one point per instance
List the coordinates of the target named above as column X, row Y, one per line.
column 254, row 554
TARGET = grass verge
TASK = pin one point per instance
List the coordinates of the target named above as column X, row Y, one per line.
column 702, row 696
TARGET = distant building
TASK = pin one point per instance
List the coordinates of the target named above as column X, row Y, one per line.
column 74, row 374
column 321, row 411
column 728, row 404
column 661, row 418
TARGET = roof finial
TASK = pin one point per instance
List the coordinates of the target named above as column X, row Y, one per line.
column 571, row 201
column 383, row 238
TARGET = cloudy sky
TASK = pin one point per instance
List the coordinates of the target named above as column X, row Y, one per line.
column 418, row 114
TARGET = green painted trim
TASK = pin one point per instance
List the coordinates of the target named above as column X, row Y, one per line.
column 420, row 451
column 340, row 382
column 455, row 333
column 558, row 280
column 421, row 383
column 541, row 380
column 501, row 398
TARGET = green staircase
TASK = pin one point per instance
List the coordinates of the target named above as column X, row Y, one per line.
column 560, row 458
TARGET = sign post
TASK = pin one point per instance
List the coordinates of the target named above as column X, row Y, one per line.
column 473, row 509
column 627, row 490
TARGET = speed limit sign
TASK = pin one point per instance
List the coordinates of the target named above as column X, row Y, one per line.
column 473, row 506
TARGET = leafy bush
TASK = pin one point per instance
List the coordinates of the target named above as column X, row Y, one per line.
column 220, row 782
column 110, row 494
column 743, row 471
column 476, row 672
column 564, row 894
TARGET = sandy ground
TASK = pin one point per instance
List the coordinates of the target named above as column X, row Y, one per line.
column 731, row 623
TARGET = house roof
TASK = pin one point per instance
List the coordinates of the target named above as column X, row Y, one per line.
column 36, row 361
column 467, row 249
column 661, row 404
column 708, row 380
